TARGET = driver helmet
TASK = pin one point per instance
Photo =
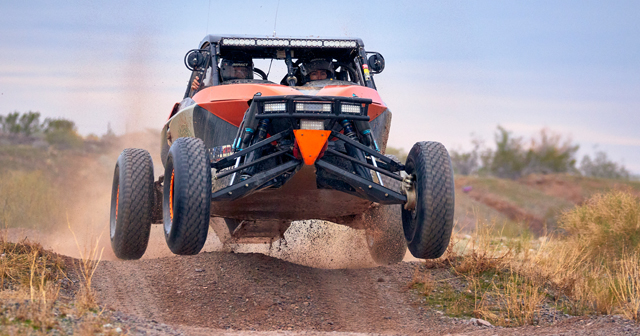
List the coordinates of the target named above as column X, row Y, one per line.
column 311, row 69
column 236, row 69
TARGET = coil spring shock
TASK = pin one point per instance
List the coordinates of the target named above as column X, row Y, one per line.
column 348, row 129
column 262, row 129
column 354, row 152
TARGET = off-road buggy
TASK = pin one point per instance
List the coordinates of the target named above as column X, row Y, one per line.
column 248, row 156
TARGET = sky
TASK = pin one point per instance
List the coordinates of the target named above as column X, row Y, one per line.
column 455, row 70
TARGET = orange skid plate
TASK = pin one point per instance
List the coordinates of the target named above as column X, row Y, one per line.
column 310, row 143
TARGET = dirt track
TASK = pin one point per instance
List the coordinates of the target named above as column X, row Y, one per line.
column 219, row 293
column 256, row 292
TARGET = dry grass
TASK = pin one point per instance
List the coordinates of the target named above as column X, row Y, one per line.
column 30, row 283
column 86, row 266
column 607, row 226
column 29, row 200
column 594, row 269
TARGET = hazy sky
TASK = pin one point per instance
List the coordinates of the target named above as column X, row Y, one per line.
column 453, row 67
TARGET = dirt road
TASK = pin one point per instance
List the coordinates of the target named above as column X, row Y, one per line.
column 255, row 292
column 221, row 293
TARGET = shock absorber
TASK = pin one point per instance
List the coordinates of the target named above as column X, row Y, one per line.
column 354, row 152
column 262, row 129
column 260, row 134
column 348, row 129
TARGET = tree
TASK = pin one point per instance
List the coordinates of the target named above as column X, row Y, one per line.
column 602, row 167
column 508, row 160
column 550, row 154
column 61, row 133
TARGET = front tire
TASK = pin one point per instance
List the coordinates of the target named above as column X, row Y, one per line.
column 427, row 228
column 186, row 196
column 131, row 204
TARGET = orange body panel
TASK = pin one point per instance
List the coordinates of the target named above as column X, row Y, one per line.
column 241, row 92
column 310, row 143
column 229, row 102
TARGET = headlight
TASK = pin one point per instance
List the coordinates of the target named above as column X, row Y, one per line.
column 275, row 107
column 311, row 124
column 313, row 107
column 350, row 108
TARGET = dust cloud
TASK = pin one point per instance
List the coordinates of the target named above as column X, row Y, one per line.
column 86, row 200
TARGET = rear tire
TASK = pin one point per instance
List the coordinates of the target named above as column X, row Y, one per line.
column 383, row 228
column 428, row 227
column 132, row 200
column 384, row 235
column 186, row 196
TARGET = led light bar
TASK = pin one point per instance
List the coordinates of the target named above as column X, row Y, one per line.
column 275, row 107
column 279, row 42
column 311, row 124
column 313, row 107
column 350, row 108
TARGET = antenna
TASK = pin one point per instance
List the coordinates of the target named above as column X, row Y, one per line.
column 276, row 20
column 208, row 15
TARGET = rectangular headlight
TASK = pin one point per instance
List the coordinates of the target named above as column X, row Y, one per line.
column 350, row 108
column 311, row 124
column 313, row 107
column 275, row 107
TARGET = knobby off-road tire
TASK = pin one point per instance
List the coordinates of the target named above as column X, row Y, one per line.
column 428, row 227
column 383, row 228
column 186, row 196
column 131, row 203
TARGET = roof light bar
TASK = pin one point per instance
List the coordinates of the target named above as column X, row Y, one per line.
column 277, row 42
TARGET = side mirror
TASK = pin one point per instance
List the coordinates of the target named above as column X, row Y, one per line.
column 376, row 63
column 195, row 59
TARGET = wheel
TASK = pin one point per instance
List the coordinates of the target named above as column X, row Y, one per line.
column 131, row 204
column 384, row 234
column 186, row 196
column 427, row 228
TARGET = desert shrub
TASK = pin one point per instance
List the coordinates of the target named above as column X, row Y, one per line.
column 602, row 167
column 607, row 225
column 62, row 133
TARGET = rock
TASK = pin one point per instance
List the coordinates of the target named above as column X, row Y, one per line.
column 108, row 325
column 480, row 322
column 118, row 330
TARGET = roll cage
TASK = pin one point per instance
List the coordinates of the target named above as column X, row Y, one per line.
column 348, row 56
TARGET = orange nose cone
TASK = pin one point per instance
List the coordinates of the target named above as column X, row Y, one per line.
column 310, row 143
